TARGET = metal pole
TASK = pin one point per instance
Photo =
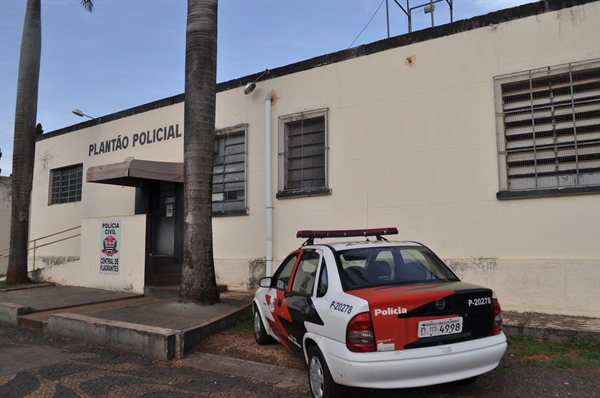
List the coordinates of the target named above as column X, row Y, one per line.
column 268, row 183
column 387, row 14
column 431, row 5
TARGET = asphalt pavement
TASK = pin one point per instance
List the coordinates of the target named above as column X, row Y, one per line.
column 166, row 329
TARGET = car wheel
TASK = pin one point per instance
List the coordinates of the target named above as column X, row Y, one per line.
column 260, row 334
column 466, row 382
column 319, row 378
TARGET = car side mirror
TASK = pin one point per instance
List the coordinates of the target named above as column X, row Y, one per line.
column 265, row 282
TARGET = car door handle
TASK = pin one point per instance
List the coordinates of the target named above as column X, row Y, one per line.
column 279, row 303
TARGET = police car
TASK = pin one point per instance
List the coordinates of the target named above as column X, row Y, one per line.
column 378, row 314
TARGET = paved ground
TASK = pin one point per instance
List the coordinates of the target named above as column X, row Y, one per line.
column 34, row 364
column 40, row 365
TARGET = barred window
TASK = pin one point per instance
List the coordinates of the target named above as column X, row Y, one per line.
column 229, row 172
column 548, row 130
column 303, row 154
column 66, row 184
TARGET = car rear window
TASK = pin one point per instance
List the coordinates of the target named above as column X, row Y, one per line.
column 361, row 268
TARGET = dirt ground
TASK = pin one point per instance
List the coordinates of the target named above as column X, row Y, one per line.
column 242, row 345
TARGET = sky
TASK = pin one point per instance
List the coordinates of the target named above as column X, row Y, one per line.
column 131, row 52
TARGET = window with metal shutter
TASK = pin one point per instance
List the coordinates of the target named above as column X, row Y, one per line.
column 548, row 123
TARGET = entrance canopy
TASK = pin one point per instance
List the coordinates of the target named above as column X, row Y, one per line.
column 131, row 173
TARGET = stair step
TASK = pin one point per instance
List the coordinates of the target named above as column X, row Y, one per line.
column 167, row 268
column 167, row 279
column 170, row 291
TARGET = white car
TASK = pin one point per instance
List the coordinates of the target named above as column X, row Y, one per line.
column 378, row 314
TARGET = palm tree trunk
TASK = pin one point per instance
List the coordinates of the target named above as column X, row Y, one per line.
column 198, row 282
column 24, row 141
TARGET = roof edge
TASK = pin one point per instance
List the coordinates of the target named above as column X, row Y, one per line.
column 496, row 17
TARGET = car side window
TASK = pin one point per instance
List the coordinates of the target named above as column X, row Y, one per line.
column 282, row 275
column 306, row 273
column 323, row 280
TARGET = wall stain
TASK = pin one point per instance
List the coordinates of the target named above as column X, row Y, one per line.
column 461, row 265
column 257, row 270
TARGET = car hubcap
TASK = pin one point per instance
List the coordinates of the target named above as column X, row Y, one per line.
column 257, row 325
column 316, row 377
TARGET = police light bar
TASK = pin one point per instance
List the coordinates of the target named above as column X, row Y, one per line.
column 344, row 233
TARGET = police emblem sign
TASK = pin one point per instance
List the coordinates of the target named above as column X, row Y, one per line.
column 110, row 241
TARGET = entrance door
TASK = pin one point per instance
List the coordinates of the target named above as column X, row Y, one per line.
column 164, row 236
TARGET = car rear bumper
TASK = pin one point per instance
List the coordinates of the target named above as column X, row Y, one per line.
column 414, row 367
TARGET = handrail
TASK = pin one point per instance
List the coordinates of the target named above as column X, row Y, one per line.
column 35, row 245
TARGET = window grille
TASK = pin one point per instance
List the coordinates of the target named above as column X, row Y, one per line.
column 229, row 172
column 548, row 127
column 303, row 154
column 66, row 184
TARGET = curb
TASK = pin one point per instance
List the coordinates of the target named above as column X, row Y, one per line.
column 9, row 313
column 159, row 343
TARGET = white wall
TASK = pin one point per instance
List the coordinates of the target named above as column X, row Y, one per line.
column 86, row 271
column 412, row 145
column 5, row 209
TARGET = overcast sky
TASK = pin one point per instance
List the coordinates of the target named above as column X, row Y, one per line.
column 130, row 52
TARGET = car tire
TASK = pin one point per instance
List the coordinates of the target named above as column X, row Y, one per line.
column 319, row 378
column 260, row 334
column 466, row 382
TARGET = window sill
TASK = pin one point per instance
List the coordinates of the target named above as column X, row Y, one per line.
column 230, row 213
column 303, row 192
column 540, row 193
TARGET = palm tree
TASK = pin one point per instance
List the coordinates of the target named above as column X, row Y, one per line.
column 24, row 140
column 198, row 282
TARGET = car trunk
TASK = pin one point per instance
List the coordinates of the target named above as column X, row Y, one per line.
column 427, row 314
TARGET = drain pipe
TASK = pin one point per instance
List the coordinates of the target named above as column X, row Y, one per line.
column 269, row 183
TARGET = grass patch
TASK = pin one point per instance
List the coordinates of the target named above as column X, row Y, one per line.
column 574, row 353
column 246, row 324
column 3, row 285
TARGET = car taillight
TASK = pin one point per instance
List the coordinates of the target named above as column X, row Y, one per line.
column 360, row 336
column 497, row 328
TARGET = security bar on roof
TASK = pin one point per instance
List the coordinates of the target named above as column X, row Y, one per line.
column 343, row 233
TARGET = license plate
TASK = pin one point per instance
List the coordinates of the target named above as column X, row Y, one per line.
column 440, row 327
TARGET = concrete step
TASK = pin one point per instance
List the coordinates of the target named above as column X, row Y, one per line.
column 170, row 291
column 167, row 268
column 38, row 320
column 167, row 279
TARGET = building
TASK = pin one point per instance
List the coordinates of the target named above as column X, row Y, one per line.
column 480, row 139
column 5, row 205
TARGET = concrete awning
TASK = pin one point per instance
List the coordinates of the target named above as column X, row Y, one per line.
column 131, row 173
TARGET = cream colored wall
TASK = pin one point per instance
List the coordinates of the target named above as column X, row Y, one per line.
column 412, row 142
column 86, row 271
column 98, row 200
column 413, row 145
column 5, row 208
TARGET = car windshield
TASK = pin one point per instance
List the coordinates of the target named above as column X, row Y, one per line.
column 360, row 268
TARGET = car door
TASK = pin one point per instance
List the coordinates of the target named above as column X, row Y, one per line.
column 299, row 298
column 273, row 304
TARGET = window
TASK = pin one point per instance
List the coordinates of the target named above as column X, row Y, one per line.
column 66, row 184
column 304, row 279
column 229, row 172
column 303, row 154
column 323, row 280
column 548, row 129
column 282, row 275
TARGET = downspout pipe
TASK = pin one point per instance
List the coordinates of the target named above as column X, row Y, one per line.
column 269, row 185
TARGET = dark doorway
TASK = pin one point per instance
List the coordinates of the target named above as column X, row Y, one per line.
column 162, row 201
